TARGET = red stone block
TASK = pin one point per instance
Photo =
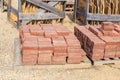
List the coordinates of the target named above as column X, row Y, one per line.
column 44, row 40
column 25, row 29
column 95, row 56
column 107, row 33
column 70, row 36
column 83, row 53
column 98, row 51
column 117, row 29
column 29, row 52
column 29, row 56
column 29, row 46
column 74, row 54
column 118, row 47
column 26, row 34
column 60, row 49
column 74, row 60
column 30, row 39
column 62, row 30
column 35, row 27
column 29, row 62
column 60, row 54
column 116, row 26
column 58, row 59
column 107, row 26
column 45, row 46
column 50, row 33
column 73, row 43
column 109, row 48
column 41, row 39
column 58, row 39
column 47, row 28
column 46, row 53
column 117, row 54
column 95, row 31
column 115, row 33
column 46, row 25
column 74, row 50
column 110, row 54
column 97, row 43
column 36, row 30
column 108, row 40
column 59, row 43
column 44, row 60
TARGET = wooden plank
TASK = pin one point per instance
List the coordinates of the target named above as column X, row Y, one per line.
column 103, row 17
column 99, row 10
column 37, row 16
column 47, row 7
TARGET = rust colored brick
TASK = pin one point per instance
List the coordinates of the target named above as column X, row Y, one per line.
column 29, row 46
column 29, row 57
column 62, row 30
column 117, row 55
column 50, row 33
column 107, row 26
column 74, row 60
column 46, row 53
column 96, row 31
column 117, row 29
column 110, row 54
column 45, row 46
column 60, row 54
column 44, row 60
column 70, row 36
column 60, row 49
column 58, row 60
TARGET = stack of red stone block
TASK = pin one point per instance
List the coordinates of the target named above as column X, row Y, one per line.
column 101, row 41
column 48, row 44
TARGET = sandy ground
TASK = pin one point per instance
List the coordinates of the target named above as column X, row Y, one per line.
column 10, row 72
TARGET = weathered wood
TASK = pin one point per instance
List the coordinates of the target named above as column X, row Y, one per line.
column 95, row 11
column 36, row 11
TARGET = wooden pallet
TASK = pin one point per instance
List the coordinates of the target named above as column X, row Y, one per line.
column 95, row 11
column 36, row 12
column 17, row 59
column 107, row 61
